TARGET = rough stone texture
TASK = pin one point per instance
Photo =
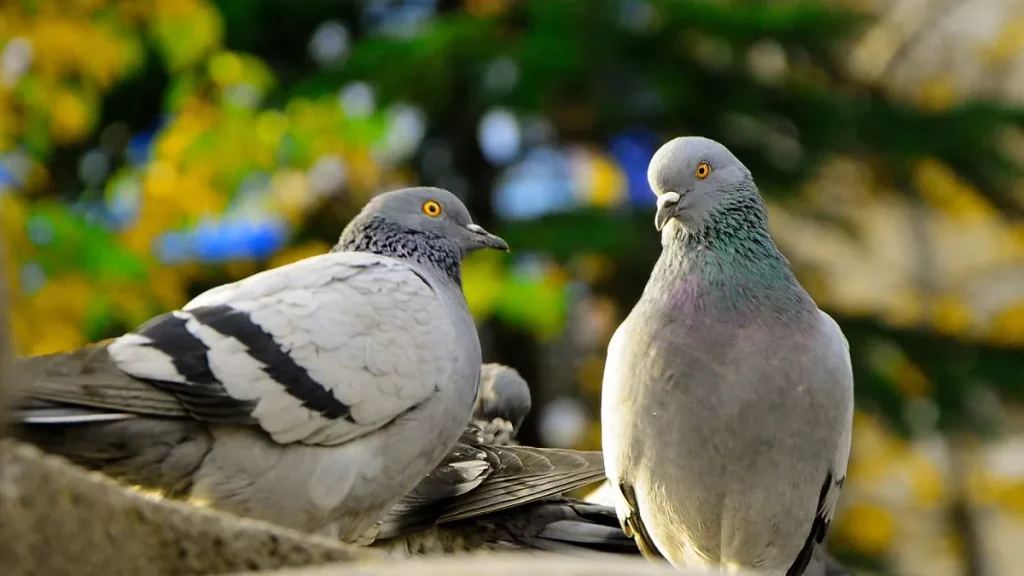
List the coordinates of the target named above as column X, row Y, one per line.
column 503, row 564
column 57, row 519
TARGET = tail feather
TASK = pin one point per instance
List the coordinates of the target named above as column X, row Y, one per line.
column 156, row 453
column 89, row 378
column 43, row 412
column 593, row 527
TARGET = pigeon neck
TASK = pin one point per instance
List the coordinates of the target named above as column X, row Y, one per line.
column 377, row 235
column 731, row 259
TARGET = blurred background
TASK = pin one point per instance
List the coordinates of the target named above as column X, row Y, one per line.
column 150, row 150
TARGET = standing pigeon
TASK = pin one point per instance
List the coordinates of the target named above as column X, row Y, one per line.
column 313, row 395
column 728, row 395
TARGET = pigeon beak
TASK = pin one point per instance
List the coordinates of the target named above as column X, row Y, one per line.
column 486, row 239
column 667, row 203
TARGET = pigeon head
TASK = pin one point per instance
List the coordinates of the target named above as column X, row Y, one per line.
column 428, row 225
column 436, row 213
column 693, row 177
column 503, row 394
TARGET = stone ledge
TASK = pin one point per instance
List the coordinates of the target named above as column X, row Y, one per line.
column 60, row 519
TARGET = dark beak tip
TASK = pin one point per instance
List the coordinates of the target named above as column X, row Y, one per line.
column 496, row 242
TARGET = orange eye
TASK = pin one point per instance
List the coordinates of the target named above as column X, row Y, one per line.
column 702, row 171
column 431, row 208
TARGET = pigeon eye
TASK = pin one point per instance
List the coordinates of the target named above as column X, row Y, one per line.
column 431, row 208
column 702, row 171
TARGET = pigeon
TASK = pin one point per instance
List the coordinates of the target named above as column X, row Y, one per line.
column 490, row 493
column 502, row 403
column 727, row 401
column 313, row 395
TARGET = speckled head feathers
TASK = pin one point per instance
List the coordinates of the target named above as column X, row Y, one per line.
column 692, row 176
column 428, row 225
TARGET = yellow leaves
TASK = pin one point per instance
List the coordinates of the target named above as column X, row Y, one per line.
column 193, row 119
column 65, row 296
column 1013, row 497
column 951, row 315
column 940, row 186
column 937, row 93
column 238, row 269
column 167, row 285
column 132, row 304
column 13, row 212
column 59, row 336
column 601, row 182
column 150, row 222
column 905, row 308
column 291, row 190
column 1007, row 45
column 225, row 68
column 71, row 116
column 912, row 382
column 184, row 193
column 364, row 174
column 186, row 31
column 300, row 252
column 898, row 369
column 231, row 68
column 874, row 447
column 867, row 528
column 1008, row 325
column 57, row 42
column 271, row 125
column 483, row 8
column 483, row 279
column 986, row 489
column 1015, row 240
column 926, row 481
column 50, row 320
column 169, row 199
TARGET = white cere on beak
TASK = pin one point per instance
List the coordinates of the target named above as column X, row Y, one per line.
column 667, row 198
column 476, row 228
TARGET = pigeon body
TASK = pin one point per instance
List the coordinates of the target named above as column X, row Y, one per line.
column 490, row 493
column 313, row 395
column 728, row 395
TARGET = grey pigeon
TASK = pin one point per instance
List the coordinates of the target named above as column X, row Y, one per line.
column 502, row 403
column 727, row 399
column 313, row 395
column 489, row 493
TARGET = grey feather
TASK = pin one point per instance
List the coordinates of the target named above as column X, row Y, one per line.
column 476, row 479
column 728, row 395
column 491, row 493
column 313, row 395
column 89, row 378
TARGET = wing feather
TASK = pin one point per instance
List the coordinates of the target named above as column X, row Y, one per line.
column 832, row 487
column 318, row 351
column 477, row 479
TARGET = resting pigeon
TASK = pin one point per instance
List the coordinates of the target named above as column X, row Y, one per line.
column 313, row 395
column 490, row 493
column 728, row 395
column 502, row 403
